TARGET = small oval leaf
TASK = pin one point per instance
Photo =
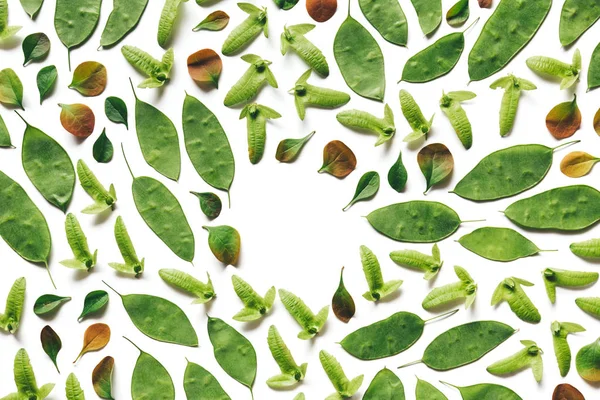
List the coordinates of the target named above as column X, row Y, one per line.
column 321, row 10
column 47, row 303
column 342, row 302
column 102, row 378
column 289, row 149
column 224, row 242
column 564, row 391
column 597, row 122
column 564, row 119
column 458, row 14
column 94, row 302
column 78, row 119
column 205, row 66
column 338, row 159
column 116, row 110
column 51, row 344
column 577, row 164
column 436, row 163
column 95, row 338
column 46, row 80
column 103, row 148
column 35, row 47
column 215, row 21
column 367, row 187
column 11, row 88
column 89, row 78
column 210, row 204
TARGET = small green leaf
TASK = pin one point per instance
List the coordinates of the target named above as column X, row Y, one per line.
column 103, row 148
column 4, row 135
column 367, row 187
column 35, row 47
column 289, row 149
column 342, row 302
column 51, row 344
column 32, row 7
column 11, row 88
column 458, row 14
column 46, row 79
column 210, row 204
column 224, row 242
column 89, row 78
column 215, row 21
column 94, row 302
column 116, row 110
column 397, row 175
column 436, row 163
column 47, row 303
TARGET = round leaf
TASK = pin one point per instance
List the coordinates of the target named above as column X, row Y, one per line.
column 564, row 119
column 204, row 66
column 338, row 159
column 577, row 164
column 35, row 47
column 77, row 119
column 321, row 10
column 103, row 148
column 436, row 163
column 89, row 78
column 210, row 204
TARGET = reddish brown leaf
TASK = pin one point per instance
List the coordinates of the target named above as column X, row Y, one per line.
column 321, row 10
column 597, row 122
column 215, row 21
column 436, row 163
column 485, row 3
column 564, row 119
column 205, row 67
column 564, row 391
column 338, row 159
column 89, row 78
column 342, row 302
column 95, row 338
column 77, row 119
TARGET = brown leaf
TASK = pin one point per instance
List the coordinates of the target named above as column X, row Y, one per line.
column 342, row 302
column 577, row 164
column 205, row 67
column 338, row 159
column 215, row 21
column 436, row 163
column 564, row 119
column 77, row 119
column 597, row 122
column 321, row 10
column 89, row 78
column 96, row 336
column 564, row 391
column 485, row 3
column 102, row 377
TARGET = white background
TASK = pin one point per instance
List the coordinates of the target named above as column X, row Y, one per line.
column 294, row 234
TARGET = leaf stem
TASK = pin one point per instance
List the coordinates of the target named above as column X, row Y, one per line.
column 472, row 220
column 410, row 363
column 111, row 288
column 472, row 24
column 130, row 341
column 49, row 274
column 126, row 162
column 442, row 316
column 565, row 144
column 133, row 89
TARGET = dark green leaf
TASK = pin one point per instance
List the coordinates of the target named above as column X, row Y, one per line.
column 35, row 47
column 397, row 175
column 51, row 344
column 458, row 14
column 93, row 303
column 103, row 148
column 47, row 303
column 367, row 187
column 285, row 4
column 342, row 302
column 46, row 79
column 116, row 110
column 210, row 204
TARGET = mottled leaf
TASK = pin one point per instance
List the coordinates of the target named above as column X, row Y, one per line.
column 577, row 164
column 458, row 14
column 210, row 204
column 204, row 66
column 485, row 3
column 397, row 175
column 321, row 10
column 51, row 344
column 116, row 110
column 95, row 338
column 47, row 303
column 289, row 149
column 564, row 391
column 215, row 21
column 94, row 302
column 4, row 135
column 436, row 163
column 46, row 79
column 342, row 302
column 225, row 243
column 11, row 88
column 78, row 119
column 338, row 159
column 102, row 378
column 89, row 78
column 35, row 47
column 564, row 119
column 367, row 187
column 103, row 148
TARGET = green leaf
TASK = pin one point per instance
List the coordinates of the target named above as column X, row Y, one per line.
column 289, row 149
column 46, row 79
column 116, row 110
column 367, row 187
column 436, row 163
column 102, row 378
column 210, row 204
column 215, row 21
column 35, row 47
column 89, row 78
column 458, row 14
column 342, row 302
column 103, row 148
column 47, row 303
column 11, row 88
column 224, row 242
column 94, row 302
column 4, row 135
column 32, row 7
column 51, row 344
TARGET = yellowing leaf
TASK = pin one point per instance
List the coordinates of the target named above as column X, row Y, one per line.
column 96, row 336
column 77, row 119
column 338, row 159
column 436, row 163
column 564, row 119
column 205, row 67
column 215, row 21
column 89, row 78
column 577, row 164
